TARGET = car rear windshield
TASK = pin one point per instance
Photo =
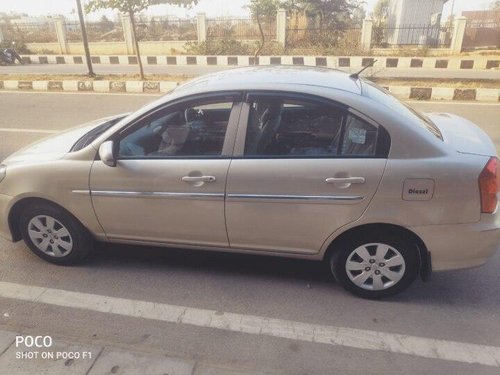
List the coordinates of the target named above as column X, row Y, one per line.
column 383, row 97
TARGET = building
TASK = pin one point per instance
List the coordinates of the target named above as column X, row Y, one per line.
column 483, row 29
column 29, row 21
column 414, row 22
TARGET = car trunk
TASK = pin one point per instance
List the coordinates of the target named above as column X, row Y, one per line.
column 463, row 135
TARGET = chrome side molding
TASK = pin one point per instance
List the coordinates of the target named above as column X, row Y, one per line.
column 221, row 196
column 81, row 192
column 155, row 194
column 296, row 197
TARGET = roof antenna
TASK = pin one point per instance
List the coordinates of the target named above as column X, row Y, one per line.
column 356, row 75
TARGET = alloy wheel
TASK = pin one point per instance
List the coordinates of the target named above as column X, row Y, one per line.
column 375, row 266
column 50, row 236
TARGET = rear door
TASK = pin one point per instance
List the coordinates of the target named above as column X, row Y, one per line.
column 302, row 168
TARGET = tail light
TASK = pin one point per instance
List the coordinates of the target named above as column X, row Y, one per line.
column 489, row 186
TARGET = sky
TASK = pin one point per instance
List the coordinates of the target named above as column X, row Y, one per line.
column 212, row 8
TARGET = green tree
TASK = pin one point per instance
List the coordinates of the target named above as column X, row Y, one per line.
column 331, row 14
column 263, row 9
column 381, row 12
column 331, row 18
column 106, row 24
column 133, row 7
column 358, row 15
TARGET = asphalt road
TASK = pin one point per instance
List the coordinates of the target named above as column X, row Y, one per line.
column 198, row 70
column 461, row 306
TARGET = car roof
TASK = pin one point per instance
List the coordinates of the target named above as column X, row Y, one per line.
column 272, row 77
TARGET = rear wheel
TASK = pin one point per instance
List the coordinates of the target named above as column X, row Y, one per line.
column 54, row 235
column 375, row 266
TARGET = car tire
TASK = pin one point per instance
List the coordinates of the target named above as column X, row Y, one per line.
column 375, row 265
column 55, row 235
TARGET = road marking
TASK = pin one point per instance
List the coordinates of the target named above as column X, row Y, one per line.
column 258, row 325
column 24, row 130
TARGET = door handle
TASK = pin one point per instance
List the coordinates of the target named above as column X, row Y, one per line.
column 198, row 178
column 345, row 180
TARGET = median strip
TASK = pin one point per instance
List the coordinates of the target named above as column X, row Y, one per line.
column 105, row 86
column 260, row 326
column 415, row 62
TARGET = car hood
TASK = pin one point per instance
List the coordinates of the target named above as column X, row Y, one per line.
column 54, row 146
column 463, row 135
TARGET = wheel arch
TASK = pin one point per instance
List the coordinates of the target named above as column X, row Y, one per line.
column 425, row 266
column 19, row 206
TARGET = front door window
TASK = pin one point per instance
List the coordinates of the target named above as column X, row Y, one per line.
column 189, row 130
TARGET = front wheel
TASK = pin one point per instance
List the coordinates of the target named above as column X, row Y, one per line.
column 375, row 266
column 55, row 235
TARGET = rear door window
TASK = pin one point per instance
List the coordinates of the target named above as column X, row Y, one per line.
column 360, row 138
column 297, row 128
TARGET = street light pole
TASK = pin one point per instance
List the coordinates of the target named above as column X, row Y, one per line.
column 84, row 38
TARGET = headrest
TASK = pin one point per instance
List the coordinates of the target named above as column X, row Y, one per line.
column 273, row 109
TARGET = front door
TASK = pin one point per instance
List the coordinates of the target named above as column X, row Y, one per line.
column 302, row 168
column 169, row 182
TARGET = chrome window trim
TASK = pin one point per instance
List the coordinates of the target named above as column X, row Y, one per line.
column 155, row 194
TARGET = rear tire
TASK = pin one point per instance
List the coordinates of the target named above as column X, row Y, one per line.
column 375, row 265
column 55, row 235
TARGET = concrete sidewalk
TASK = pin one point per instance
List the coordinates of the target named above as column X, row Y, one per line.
column 64, row 357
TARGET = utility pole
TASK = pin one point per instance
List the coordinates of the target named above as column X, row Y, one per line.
column 84, row 38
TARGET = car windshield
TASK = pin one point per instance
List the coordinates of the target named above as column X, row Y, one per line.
column 89, row 137
column 383, row 97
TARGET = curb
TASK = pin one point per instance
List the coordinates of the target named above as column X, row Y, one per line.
column 90, row 86
column 439, row 63
column 402, row 92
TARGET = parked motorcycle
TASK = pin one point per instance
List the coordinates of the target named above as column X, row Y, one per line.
column 8, row 56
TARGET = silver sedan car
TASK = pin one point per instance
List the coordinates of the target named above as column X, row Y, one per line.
column 296, row 162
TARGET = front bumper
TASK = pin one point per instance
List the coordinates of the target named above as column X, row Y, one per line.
column 5, row 204
column 461, row 245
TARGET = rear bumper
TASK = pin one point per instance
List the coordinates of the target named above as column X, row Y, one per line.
column 461, row 245
column 5, row 203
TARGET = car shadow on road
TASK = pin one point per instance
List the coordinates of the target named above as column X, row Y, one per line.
column 125, row 256
column 476, row 287
column 457, row 288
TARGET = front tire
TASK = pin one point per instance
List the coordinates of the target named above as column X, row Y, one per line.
column 375, row 265
column 54, row 235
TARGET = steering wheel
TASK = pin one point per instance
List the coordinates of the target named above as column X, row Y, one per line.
column 191, row 114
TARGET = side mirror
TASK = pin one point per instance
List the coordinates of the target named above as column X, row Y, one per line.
column 106, row 153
